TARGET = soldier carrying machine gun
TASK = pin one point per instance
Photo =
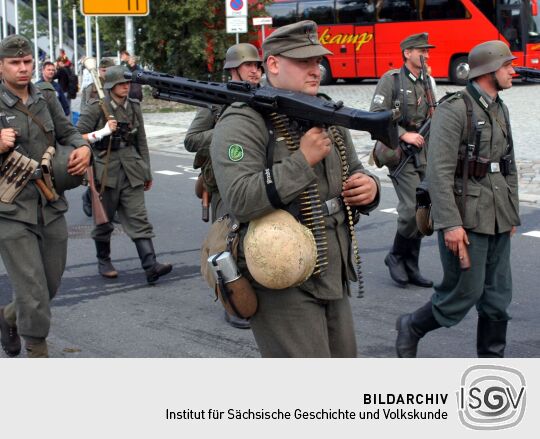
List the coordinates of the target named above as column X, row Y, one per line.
column 306, row 110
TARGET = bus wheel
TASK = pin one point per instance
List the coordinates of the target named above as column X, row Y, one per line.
column 455, row 69
column 326, row 73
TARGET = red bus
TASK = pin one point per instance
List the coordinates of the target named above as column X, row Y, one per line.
column 364, row 35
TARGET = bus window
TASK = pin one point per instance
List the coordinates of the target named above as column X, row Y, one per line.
column 355, row 11
column 320, row 11
column 487, row 7
column 397, row 10
column 282, row 13
column 510, row 23
column 442, row 10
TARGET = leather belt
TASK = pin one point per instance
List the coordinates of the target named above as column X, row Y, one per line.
column 332, row 206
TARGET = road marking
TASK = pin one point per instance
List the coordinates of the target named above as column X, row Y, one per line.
column 393, row 210
column 534, row 233
column 168, row 172
column 193, row 178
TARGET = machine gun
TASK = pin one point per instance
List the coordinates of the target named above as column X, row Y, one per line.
column 528, row 74
column 307, row 110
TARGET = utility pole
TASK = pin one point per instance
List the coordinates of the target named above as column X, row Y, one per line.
column 130, row 36
column 60, row 25
column 16, row 16
column 51, row 36
column 75, row 44
column 36, row 51
column 98, row 45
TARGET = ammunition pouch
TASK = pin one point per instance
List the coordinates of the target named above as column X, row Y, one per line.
column 15, row 173
column 478, row 167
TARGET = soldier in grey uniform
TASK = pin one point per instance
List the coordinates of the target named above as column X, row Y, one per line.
column 478, row 214
column 125, row 174
column 33, row 231
column 402, row 260
column 90, row 93
column 313, row 319
column 243, row 63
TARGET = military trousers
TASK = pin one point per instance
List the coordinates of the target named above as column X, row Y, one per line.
column 35, row 258
column 405, row 186
column 293, row 323
column 486, row 285
column 129, row 202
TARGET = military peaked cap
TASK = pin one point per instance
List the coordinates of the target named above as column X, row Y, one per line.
column 297, row 40
column 416, row 41
column 15, row 46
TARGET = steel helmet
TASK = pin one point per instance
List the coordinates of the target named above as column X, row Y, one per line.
column 239, row 54
column 488, row 57
column 280, row 252
column 115, row 75
column 62, row 180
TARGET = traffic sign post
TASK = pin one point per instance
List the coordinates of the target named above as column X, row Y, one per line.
column 236, row 12
column 262, row 21
column 115, row 7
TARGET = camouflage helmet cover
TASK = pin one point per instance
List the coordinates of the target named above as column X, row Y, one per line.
column 488, row 57
column 240, row 53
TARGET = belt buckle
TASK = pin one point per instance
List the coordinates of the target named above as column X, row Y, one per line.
column 333, row 205
column 494, row 167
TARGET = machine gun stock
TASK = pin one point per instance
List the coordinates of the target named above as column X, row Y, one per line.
column 307, row 110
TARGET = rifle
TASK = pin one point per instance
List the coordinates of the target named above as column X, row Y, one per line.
column 410, row 151
column 98, row 211
column 428, row 88
column 307, row 110
column 528, row 74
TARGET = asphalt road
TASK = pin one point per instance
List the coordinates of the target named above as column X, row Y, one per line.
column 95, row 317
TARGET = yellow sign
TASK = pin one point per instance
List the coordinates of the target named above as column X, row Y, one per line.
column 115, row 7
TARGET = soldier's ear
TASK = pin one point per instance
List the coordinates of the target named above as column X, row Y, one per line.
column 272, row 65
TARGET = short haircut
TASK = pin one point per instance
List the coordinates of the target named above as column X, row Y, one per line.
column 47, row 63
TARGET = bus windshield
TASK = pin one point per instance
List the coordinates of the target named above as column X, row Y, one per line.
column 533, row 26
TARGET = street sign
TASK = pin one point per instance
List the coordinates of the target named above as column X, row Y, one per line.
column 237, row 25
column 262, row 21
column 236, row 8
column 115, row 7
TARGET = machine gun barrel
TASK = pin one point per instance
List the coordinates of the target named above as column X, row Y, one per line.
column 306, row 109
column 528, row 73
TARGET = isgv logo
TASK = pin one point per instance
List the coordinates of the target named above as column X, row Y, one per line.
column 491, row 397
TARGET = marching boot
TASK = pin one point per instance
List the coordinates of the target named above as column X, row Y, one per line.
column 37, row 348
column 411, row 328
column 395, row 261
column 10, row 339
column 491, row 338
column 411, row 264
column 105, row 266
column 153, row 269
column 87, row 203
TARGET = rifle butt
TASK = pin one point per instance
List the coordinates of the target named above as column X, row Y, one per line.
column 98, row 211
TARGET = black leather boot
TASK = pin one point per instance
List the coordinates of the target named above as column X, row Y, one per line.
column 87, row 203
column 395, row 261
column 153, row 269
column 9, row 338
column 491, row 338
column 411, row 264
column 103, row 254
column 411, row 328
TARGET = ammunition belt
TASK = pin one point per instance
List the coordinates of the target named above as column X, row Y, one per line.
column 340, row 142
column 311, row 210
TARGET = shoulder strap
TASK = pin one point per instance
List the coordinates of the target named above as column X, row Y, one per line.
column 21, row 107
column 471, row 134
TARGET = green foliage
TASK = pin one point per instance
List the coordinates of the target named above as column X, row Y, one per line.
column 188, row 38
